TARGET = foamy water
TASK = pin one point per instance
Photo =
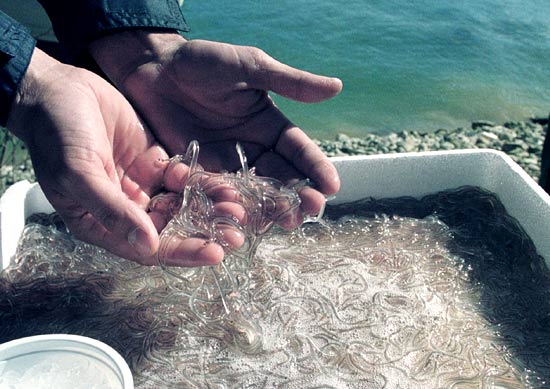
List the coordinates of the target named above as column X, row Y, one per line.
column 361, row 303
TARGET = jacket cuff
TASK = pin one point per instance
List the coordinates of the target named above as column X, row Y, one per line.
column 16, row 47
column 77, row 23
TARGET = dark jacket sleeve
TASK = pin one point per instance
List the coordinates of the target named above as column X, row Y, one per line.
column 77, row 22
column 16, row 47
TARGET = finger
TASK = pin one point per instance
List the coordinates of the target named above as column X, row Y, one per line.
column 145, row 175
column 219, row 187
column 134, row 192
column 229, row 237
column 146, row 170
column 176, row 176
column 159, row 219
column 296, row 157
column 190, row 252
column 196, row 251
column 214, row 185
column 299, row 150
column 167, row 204
column 232, row 211
column 312, row 201
column 267, row 73
column 291, row 219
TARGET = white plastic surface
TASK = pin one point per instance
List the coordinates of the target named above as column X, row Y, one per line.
column 62, row 362
column 20, row 200
column 419, row 174
column 378, row 176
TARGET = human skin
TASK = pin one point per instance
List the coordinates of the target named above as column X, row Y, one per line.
column 98, row 164
column 217, row 94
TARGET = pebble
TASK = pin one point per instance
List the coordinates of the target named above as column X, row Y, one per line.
column 521, row 140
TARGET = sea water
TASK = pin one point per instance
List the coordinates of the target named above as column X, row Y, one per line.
column 419, row 65
column 416, row 65
column 444, row 291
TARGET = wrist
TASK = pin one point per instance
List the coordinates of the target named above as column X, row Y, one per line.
column 119, row 54
column 40, row 70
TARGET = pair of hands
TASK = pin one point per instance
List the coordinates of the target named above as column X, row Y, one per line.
column 99, row 152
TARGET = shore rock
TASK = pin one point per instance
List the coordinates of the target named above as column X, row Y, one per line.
column 522, row 141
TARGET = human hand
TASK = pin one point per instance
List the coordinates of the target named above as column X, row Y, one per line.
column 96, row 163
column 216, row 93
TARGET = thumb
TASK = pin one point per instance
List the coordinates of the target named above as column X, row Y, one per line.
column 106, row 217
column 269, row 74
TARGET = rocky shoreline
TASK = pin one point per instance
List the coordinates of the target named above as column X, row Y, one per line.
column 521, row 140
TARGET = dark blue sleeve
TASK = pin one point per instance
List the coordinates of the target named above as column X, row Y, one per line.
column 16, row 47
column 77, row 22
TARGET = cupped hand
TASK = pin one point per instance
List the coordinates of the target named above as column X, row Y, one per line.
column 217, row 94
column 95, row 161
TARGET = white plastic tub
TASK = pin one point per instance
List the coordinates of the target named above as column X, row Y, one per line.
column 378, row 176
column 62, row 362
column 419, row 174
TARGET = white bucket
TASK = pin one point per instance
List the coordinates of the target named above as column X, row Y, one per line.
column 62, row 362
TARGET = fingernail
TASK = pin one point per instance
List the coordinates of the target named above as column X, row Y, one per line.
column 139, row 241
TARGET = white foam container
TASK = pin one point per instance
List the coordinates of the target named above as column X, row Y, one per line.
column 419, row 174
column 62, row 361
column 378, row 176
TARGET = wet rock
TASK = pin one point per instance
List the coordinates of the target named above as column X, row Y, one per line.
column 482, row 123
